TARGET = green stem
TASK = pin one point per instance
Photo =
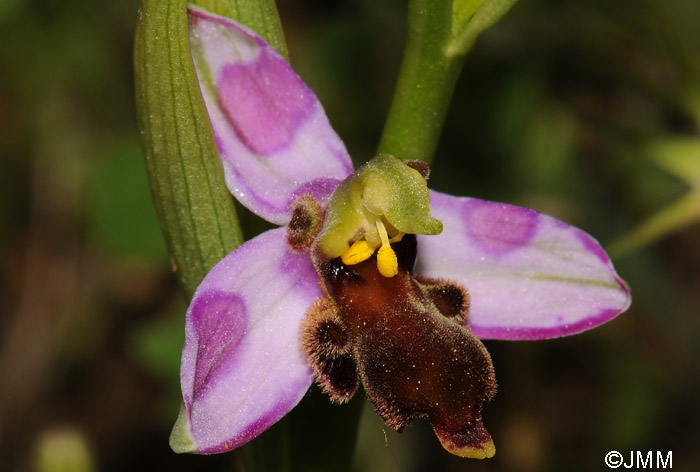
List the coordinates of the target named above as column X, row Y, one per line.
column 425, row 84
column 440, row 34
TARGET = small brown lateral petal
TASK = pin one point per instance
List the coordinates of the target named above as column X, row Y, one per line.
column 451, row 299
column 325, row 341
column 306, row 222
column 420, row 166
column 413, row 359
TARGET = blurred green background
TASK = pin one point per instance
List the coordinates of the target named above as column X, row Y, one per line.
column 589, row 111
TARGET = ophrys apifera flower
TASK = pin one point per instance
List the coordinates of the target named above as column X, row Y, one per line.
column 373, row 279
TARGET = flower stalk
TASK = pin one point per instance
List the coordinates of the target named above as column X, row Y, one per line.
column 439, row 36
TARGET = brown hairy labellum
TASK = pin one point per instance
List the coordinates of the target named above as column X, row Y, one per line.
column 408, row 342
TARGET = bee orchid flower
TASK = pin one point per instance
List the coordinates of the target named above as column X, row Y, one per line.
column 371, row 279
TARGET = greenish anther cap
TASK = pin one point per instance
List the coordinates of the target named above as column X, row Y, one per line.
column 385, row 189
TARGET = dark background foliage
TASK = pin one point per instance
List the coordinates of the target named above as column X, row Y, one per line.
column 557, row 108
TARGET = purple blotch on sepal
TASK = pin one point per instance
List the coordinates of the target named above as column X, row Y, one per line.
column 498, row 228
column 271, row 131
column 265, row 101
column 219, row 320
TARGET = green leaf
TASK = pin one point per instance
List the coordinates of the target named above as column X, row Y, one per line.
column 678, row 214
column 462, row 12
column 679, row 157
column 466, row 30
column 195, row 209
